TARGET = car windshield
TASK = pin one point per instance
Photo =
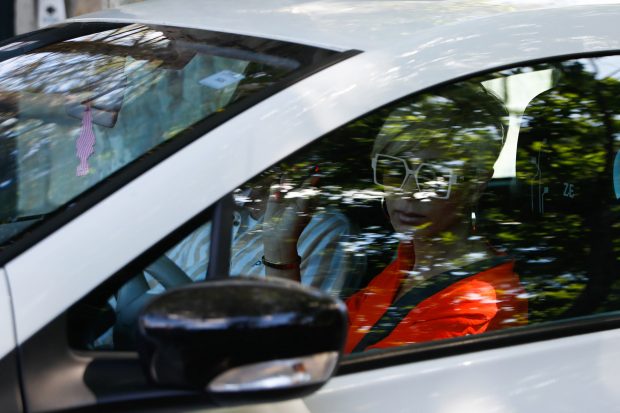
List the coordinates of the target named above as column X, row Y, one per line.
column 80, row 102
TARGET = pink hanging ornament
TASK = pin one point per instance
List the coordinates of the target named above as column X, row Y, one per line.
column 85, row 144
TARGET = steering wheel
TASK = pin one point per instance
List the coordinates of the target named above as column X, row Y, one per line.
column 133, row 296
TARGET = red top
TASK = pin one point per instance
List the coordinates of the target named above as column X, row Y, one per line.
column 486, row 300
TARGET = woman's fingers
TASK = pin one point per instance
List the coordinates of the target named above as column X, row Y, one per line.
column 274, row 200
column 293, row 205
column 298, row 197
column 308, row 192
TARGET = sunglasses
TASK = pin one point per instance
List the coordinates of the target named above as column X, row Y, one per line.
column 431, row 180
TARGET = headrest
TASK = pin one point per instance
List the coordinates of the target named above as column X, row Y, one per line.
column 563, row 155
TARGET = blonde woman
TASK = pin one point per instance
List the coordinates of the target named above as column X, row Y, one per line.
column 433, row 159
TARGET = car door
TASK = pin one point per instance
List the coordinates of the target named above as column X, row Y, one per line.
column 550, row 206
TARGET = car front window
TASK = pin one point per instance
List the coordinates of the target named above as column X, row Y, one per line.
column 73, row 112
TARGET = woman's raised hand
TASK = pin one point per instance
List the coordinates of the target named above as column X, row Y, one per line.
column 288, row 211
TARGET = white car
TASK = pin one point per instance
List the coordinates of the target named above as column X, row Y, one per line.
column 448, row 170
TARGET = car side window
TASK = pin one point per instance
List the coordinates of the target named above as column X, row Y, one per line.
column 106, row 319
column 486, row 204
column 482, row 205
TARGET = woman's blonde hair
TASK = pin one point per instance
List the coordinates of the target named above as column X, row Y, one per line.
column 463, row 121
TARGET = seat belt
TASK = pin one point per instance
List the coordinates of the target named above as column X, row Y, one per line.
column 396, row 312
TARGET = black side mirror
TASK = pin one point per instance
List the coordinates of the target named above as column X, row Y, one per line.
column 243, row 340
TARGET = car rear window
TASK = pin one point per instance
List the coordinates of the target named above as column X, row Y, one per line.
column 78, row 103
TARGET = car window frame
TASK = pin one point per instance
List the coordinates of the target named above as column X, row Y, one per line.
column 565, row 328
column 372, row 360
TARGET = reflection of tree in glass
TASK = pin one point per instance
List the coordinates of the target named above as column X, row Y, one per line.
column 559, row 218
column 563, row 201
column 143, row 86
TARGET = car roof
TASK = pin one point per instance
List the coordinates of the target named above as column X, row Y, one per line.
column 334, row 24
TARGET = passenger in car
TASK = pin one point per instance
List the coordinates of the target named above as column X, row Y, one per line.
column 276, row 234
column 433, row 159
column 279, row 237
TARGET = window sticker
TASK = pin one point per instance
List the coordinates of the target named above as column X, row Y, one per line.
column 85, row 143
column 222, row 79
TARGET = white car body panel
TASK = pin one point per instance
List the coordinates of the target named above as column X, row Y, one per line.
column 335, row 24
column 77, row 256
column 7, row 331
column 573, row 374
